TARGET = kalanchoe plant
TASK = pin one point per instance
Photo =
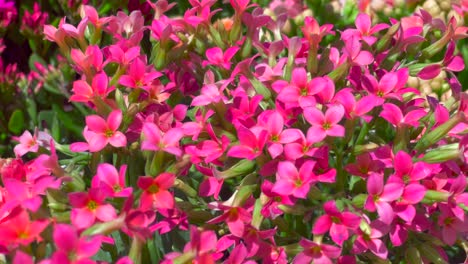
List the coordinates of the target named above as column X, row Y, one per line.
column 214, row 137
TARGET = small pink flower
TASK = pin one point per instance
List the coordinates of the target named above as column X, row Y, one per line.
column 31, row 143
column 83, row 92
column 155, row 191
column 137, row 75
column 336, row 222
column 155, row 140
column 20, row 230
column 325, row 125
column 364, row 29
column 71, row 248
column 87, row 207
column 290, row 181
column 99, row 132
column 216, row 57
column 316, row 253
column 380, row 196
column 371, row 240
column 394, row 115
column 252, row 142
column 110, row 181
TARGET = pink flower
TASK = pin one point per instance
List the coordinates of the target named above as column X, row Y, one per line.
column 216, row 57
column 20, row 230
column 390, row 85
column 87, row 207
column 325, row 125
column 364, row 165
column 82, row 92
column 155, row 191
column 394, row 115
column 110, row 181
column 274, row 124
column 364, row 29
column 31, row 143
column 355, row 108
column 451, row 225
column 371, row 240
column 99, row 132
column 314, row 33
column 137, row 75
column 355, row 54
column 71, row 248
column 300, row 91
column 305, row 147
column 155, row 140
column 381, row 195
column 90, row 62
column 290, row 181
column 336, row 222
column 234, row 216
column 252, row 142
column 316, row 253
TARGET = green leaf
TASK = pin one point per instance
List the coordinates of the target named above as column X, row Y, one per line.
column 16, row 122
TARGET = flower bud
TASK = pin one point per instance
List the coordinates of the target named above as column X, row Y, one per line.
column 442, row 154
column 430, row 253
column 412, row 256
column 242, row 168
column 438, row 133
column 437, row 46
column 433, row 196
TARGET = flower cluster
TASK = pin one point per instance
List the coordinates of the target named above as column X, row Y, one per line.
column 218, row 139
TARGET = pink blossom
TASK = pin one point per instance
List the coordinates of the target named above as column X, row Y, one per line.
column 234, row 216
column 355, row 54
column 371, row 240
column 252, row 142
column 110, row 181
column 394, row 115
column 71, row 248
column 155, row 191
column 336, row 222
column 156, row 140
column 364, row 29
column 99, row 132
column 83, row 92
column 216, row 57
column 316, row 253
column 31, row 143
column 290, row 181
column 381, row 195
column 137, row 75
column 325, row 125
column 20, row 230
column 89, row 206
column 277, row 135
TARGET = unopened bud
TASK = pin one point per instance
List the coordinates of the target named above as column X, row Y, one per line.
column 442, row 154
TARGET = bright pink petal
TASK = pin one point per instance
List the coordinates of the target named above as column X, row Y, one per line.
column 97, row 142
column 106, row 212
column 363, row 58
column 286, row 171
column 163, row 199
column 322, row 225
column 114, row 119
column 375, row 184
column 118, row 140
column 363, row 23
column 96, row 123
column 314, row 116
column 334, row 114
column 430, row 72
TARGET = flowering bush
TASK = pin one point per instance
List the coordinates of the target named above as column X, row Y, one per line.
column 235, row 134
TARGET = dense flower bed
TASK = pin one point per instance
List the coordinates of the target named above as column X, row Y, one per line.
column 239, row 132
